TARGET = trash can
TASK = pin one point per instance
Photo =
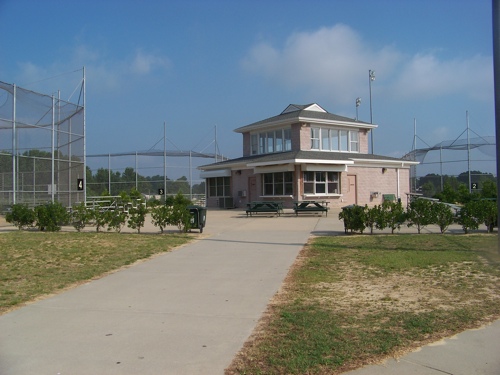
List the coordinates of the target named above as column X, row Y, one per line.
column 198, row 217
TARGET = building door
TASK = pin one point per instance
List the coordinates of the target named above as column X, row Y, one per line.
column 352, row 189
column 252, row 188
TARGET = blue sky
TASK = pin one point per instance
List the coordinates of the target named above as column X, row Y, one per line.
column 201, row 64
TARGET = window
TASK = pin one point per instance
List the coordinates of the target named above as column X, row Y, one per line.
column 279, row 183
column 254, row 144
column 287, row 136
column 354, row 141
column 327, row 139
column 315, row 138
column 321, row 183
column 278, row 141
column 343, row 140
column 271, row 141
column 218, row 187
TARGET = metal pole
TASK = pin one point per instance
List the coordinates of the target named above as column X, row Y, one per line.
column 14, row 147
column 109, row 174
column 53, row 149
column 136, row 173
column 84, row 144
column 190, row 178
column 165, row 159
column 415, row 152
column 215, row 153
column 468, row 151
column 496, row 73
column 371, row 77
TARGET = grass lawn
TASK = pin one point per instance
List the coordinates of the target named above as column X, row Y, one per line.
column 33, row 264
column 354, row 300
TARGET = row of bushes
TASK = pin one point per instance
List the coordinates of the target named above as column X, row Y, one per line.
column 52, row 216
column 420, row 213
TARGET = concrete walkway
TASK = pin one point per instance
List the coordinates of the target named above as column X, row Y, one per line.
column 190, row 311
column 185, row 312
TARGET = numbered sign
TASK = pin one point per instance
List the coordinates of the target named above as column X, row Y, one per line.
column 161, row 191
column 474, row 186
column 79, row 184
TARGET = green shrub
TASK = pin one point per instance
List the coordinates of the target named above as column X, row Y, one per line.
column 100, row 217
column 393, row 214
column 51, row 216
column 443, row 216
column 116, row 220
column 21, row 216
column 137, row 216
column 354, row 218
column 160, row 216
column 372, row 217
column 420, row 213
column 486, row 211
column 79, row 216
column 468, row 218
column 179, row 213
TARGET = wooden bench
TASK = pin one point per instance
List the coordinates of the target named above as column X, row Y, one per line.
column 310, row 206
column 258, row 207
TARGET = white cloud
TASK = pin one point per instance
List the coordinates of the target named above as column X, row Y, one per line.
column 331, row 60
column 335, row 61
column 103, row 73
column 145, row 63
column 428, row 76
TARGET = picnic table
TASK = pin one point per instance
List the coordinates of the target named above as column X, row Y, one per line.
column 310, row 206
column 264, row 206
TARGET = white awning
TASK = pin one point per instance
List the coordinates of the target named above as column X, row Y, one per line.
column 275, row 168
column 215, row 173
column 324, row 168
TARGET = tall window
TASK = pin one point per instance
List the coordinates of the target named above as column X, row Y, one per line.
column 254, row 144
column 321, row 183
column 219, row 187
column 272, row 141
column 279, row 183
column 327, row 139
column 315, row 138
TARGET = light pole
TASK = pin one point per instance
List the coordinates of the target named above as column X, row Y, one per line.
column 358, row 103
column 371, row 77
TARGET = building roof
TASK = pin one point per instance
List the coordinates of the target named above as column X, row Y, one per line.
column 305, row 113
column 306, row 156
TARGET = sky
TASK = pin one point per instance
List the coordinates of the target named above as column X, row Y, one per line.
column 207, row 67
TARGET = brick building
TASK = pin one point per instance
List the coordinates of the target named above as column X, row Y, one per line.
column 306, row 153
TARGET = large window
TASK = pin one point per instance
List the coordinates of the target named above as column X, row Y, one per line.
column 271, row 141
column 218, row 187
column 321, row 183
column 326, row 139
column 279, row 183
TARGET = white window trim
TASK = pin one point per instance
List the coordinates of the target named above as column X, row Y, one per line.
column 265, row 147
column 319, row 140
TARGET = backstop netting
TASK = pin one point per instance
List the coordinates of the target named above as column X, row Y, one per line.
column 42, row 148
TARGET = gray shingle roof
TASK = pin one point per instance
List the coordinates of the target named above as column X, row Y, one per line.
column 300, row 113
column 301, row 155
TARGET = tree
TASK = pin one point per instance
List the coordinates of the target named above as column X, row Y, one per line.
column 489, row 189
column 21, row 216
column 443, row 216
column 394, row 214
column 467, row 217
column 79, row 216
column 51, row 216
column 137, row 216
column 420, row 213
column 161, row 216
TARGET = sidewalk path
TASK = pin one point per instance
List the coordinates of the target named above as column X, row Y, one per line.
column 185, row 312
column 190, row 311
